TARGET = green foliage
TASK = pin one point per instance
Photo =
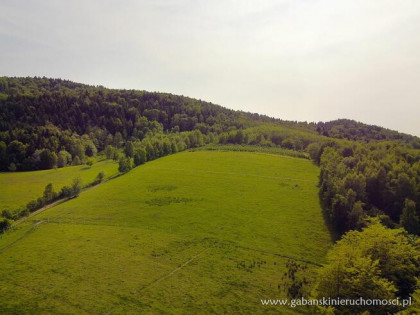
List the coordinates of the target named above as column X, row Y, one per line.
column 315, row 150
column 140, row 156
column 64, row 158
column 409, row 219
column 76, row 186
column 288, row 144
column 48, row 159
column 5, row 224
column 129, row 149
column 16, row 151
column 111, row 152
column 49, row 196
column 357, row 216
column 414, row 308
column 78, row 152
column 376, row 263
column 19, row 188
column 377, row 176
column 352, row 130
column 49, row 193
column 76, row 161
column 83, row 119
column 90, row 148
column 100, row 177
column 89, row 162
column 66, row 191
column 125, row 164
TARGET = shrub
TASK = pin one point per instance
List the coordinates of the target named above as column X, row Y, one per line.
column 100, row 177
column 125, row 164
column 89, row 162
column 65, row 191
column 5, row 224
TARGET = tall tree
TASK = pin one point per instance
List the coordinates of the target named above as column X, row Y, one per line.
column 409, row 219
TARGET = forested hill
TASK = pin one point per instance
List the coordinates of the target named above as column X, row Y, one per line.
column 79, row 107
column 353, row 130
column 38, row 114
column 365, row 170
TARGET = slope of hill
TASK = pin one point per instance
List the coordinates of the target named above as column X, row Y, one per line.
column 187, row 232
column 46, row 123
column 40, row 117
column 18, row 188
column 353, row 130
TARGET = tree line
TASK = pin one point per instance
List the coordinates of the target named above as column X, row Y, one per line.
column 49, row 196
column 381, row 179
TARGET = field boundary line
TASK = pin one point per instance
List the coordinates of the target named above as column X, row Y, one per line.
column 174, row 270
column 29, row 231
column 51, row 205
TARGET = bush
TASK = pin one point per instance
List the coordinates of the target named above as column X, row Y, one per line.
column 125, row 164
column 100, row 177
column 89, row 162
column 110, row 152
column 65, row 191
column 8, row 214
column 76, row 161
column 140, row 156
column 5, row 224
column 76, row 186
column 63, row 158
column 32, row 206
column 49, row 193
column 22, row 212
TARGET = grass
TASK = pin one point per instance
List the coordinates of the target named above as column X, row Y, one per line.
column 253, row 148
column 194, row 232
column 19, row 188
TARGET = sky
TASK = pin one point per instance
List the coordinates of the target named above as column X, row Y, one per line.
column 305, row 60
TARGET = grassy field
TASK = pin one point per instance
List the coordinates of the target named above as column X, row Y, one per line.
column 194, row 232
column 21, row 187
column 252, row 148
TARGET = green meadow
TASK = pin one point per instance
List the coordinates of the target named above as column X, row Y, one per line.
column 194, row 232
column 19, row 188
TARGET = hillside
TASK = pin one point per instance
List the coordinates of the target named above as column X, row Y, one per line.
column 19, row 188
column 215, row 208
column 48, row 122
column 191, row 230
column 353, row 130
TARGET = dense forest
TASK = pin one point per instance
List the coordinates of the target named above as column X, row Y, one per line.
column 366, row 171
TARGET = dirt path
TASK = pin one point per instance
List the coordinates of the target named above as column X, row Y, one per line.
column 60, row 201
column 55, row 203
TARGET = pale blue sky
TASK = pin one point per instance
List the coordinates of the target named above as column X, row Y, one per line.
column 293, row 59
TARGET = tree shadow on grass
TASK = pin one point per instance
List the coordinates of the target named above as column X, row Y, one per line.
column 334, row 234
